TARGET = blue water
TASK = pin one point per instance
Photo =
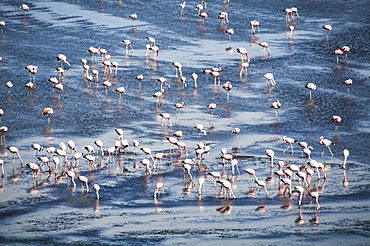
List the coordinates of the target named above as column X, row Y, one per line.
column 48, row 210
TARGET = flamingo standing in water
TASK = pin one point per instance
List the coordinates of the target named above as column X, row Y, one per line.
column 327, row 143
column 203, row 15
column 270, row 153
column 178, row 67
column 165, row 117
column 97, row 188
column 291, row 28
column 276, row 105
column 338, row 52
column 244, row 68
column 327, row 28
column 290, row 141
column 182, row 7
column 128, row 44
column 345, row 49
column 133, row 17
column 254, row 24
column 224, row 17
column 311, row 87
column 294, row 11
column 289, row 12
column 158, row 186
column 315, row 195
column 25, row 7
column 269, row 78
column 300, row 190
column 194, row 76
column 63, row 59
column 348, row 82
column 211, row 106
column 48, row 112
column 14, row 150
column 84, row 180
column 345, row 154
column 227, row 86
column 265, row 47
column 243, row 54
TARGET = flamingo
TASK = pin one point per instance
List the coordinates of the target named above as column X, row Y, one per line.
column 14, row 150
column 84, row 179
column 93, row 51
column 151, row 41
column 63, row 59
column 3, row 130
column 48, row 112
column 262, row 184
column 178, row 67
column 276, row 105
column 128, row 44
column 307, row 151
column 265, row 47
column 345, row 154
column 181, row 7
column 35, row 169
column 162, row 82
column 295, row 10
column 336, row 119
column 200, row 128
column 346, row 50
column 216, row 75
column 327, row 28
column 338, row 52
column 327, row 143
column 165, row 117
column 71, row 175
column 201, row 183
column 211, row 106
column 254, row 24
column 37, row 148
column 226, row 185
column 291, row 28
column 179, row 106
column 270, row 153
column 348, row 82
column 300, row 190
column 25, row 7
column 290, row 141
column 289, row 12
column 133, row 17
column 311, row 87
column 203, row 15
column 224, row 17
column 244, row 68
column 146, row 163
column 100, row 145
column 194, row 76
column 182, row 145
column 269, row 78
column 158, row 157
column 187, row 168
column 228, row 87
column 121, row 90
column 97, row 188
column 315, row 195
column 158, row 186
column 147, row 151
column 230, row 31
column 243, row 54
column 200, row 7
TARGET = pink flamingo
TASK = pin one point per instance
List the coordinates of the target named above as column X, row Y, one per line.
column 265, row 46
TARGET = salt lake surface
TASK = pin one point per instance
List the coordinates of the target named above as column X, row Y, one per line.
column 49, row 210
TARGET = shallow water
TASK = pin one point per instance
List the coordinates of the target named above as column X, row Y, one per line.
column 48, row 210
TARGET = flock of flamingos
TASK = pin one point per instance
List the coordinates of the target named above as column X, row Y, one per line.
column 66, row 158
